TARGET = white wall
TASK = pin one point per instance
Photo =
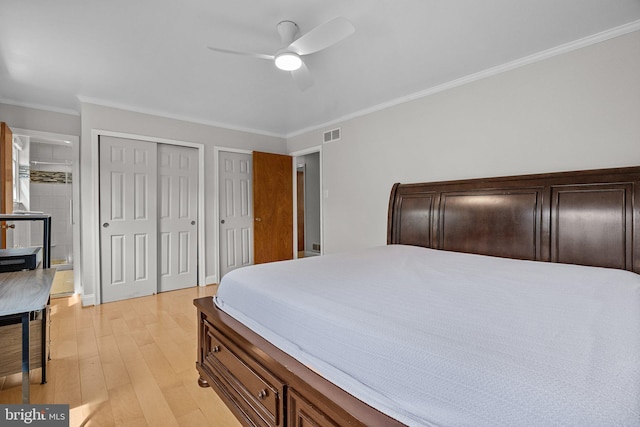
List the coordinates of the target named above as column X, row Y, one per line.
column 578, row 110
column 95, row 117
column 40, row 120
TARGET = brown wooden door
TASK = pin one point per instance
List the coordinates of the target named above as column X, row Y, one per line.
column 272, row 207
column 6, row 172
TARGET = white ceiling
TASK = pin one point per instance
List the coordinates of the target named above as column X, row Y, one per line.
column 152, row 56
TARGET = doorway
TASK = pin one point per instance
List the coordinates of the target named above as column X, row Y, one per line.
column 308, row 204
column 45, row 165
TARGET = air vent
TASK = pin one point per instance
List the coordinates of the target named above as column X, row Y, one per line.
column 331, row 135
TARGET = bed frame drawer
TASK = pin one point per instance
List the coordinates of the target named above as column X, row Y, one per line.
column 302, row 412
column 253, row 388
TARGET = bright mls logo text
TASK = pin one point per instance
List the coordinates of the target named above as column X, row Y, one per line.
column 48, row 415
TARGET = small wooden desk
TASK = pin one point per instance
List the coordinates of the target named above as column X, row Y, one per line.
column 21, row 293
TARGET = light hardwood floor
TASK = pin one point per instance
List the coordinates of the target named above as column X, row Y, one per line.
column 126, row 363
column 62, row 285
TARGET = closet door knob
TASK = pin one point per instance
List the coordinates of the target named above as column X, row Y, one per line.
column 105, row 225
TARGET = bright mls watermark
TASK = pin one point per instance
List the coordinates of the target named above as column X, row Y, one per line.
column 34, row 415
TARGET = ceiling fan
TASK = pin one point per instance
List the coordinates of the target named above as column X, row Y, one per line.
column 289, row 56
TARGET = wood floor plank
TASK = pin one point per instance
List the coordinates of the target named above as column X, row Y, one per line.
column 154, row 406
column 210, row 404
column 128, row 348
column 160, row 367
column 142, row 337
column 113, row 366
column 67, row 382
column 86, row 342
column 92, row 382
column 125, row 406
column 193, row 418
column 179, row 399
column 95, row 414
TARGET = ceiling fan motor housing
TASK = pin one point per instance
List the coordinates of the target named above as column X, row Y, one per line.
column 287, row 31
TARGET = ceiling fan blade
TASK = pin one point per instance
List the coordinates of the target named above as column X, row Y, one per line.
column 302, row 77
column 235, row 52
column 323, row 36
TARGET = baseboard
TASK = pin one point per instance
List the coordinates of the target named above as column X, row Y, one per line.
column 88, row 300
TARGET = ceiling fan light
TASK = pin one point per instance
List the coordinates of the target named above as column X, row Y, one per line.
column 288, row 61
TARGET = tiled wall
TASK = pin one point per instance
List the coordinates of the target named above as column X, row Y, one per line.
column 53, row 198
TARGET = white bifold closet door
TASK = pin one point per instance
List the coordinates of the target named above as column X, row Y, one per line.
column 148, row 212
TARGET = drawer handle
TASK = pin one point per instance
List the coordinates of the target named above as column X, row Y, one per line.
column 215, row 349
column 262, row 394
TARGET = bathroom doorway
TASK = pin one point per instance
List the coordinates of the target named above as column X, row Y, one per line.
column 46, row 182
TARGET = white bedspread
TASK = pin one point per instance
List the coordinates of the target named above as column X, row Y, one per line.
column 448, row 339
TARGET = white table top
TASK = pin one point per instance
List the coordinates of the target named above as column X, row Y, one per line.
column 24, row 291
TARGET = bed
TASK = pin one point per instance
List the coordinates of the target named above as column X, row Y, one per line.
column 500, row 301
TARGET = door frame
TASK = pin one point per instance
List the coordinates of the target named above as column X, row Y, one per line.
column 75, row 191
column 216, row 207
column 93, row 219
column 295, row 155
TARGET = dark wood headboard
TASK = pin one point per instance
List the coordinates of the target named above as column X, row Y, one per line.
column 587, row 217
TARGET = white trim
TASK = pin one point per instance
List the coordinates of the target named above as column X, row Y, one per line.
column 78, row 287
column 294, row 206
column 295, row 155
column 216, row 204
column 202, row 259
column 167, row 115
column 88, row 300
column 527, row 60
column 316, row 149
column 95, row 217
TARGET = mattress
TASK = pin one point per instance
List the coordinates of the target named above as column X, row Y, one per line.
column 449, row 339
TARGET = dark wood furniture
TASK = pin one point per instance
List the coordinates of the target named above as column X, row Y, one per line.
column 585, row 217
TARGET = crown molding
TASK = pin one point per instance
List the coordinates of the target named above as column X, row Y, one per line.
column 104, row 103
